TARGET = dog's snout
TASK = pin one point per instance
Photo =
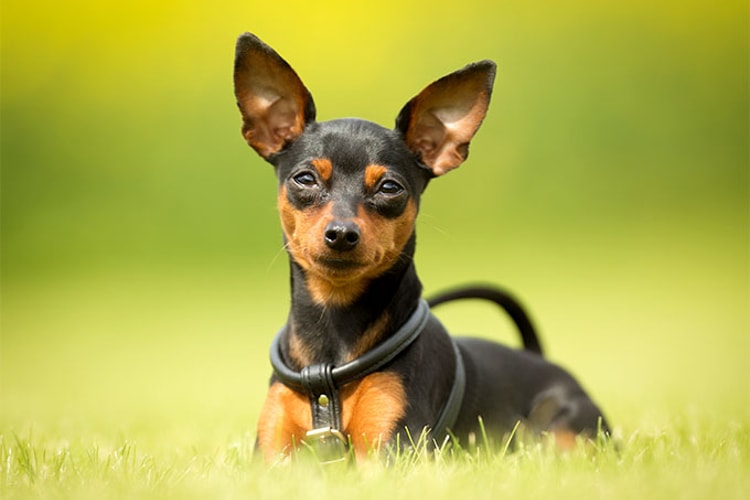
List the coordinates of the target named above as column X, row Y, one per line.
column 341, row 235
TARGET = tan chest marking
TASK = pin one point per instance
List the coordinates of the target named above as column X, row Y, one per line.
column 371, row 408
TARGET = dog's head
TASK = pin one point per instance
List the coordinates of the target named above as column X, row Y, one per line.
column 349, row 189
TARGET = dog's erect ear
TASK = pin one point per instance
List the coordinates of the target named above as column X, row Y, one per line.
column 274, row 103
column 438, row 124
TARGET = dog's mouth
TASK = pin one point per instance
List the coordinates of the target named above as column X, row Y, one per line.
column 339, row 264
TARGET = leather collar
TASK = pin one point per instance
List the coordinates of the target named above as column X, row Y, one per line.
column 321, row 383
column 364, row 365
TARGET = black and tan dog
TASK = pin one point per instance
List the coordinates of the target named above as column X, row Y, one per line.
column 361, row 361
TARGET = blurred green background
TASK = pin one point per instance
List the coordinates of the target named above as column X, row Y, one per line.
column 142, row 269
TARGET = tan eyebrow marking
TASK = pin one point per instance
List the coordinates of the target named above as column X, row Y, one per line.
column 373, row 173
column 324, row 168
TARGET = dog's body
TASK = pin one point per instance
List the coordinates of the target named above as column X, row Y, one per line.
column 348, row 198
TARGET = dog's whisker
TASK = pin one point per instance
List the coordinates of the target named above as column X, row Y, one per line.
column 276, row 256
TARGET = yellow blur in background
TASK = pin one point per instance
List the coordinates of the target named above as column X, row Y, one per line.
column 142, row 269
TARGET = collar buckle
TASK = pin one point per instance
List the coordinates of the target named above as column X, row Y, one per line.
column 329, row 445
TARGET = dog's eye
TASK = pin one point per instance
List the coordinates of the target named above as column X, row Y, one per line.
column 305, row 179
column 390, row 187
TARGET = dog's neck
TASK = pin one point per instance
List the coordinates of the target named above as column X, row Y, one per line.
column 318, row 333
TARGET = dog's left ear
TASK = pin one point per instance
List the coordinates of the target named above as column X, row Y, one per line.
column 440, row 121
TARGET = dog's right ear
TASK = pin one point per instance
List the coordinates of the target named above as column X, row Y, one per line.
column 275, row 105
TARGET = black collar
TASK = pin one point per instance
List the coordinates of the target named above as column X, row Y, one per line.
column 366, row 364
column 321, row 382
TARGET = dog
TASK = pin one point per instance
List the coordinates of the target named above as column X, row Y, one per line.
column 361, row 362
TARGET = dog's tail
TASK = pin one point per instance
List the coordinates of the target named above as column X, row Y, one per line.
column 503, row 299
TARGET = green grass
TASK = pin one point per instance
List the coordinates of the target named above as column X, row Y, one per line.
column 678, row 462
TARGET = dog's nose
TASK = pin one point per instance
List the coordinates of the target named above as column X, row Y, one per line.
column 341, row 235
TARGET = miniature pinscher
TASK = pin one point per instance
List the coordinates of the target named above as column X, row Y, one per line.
column 361, row 361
